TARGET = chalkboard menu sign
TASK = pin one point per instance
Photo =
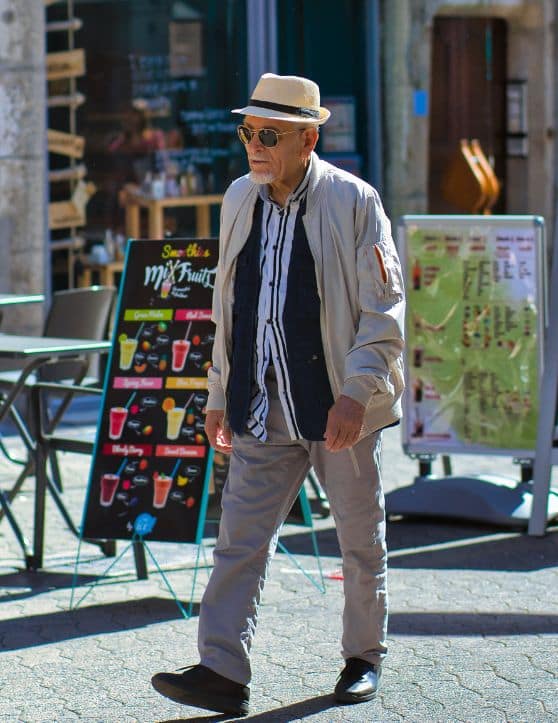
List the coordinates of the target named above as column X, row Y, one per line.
column 151, row 461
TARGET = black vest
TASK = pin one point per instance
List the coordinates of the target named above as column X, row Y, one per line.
column 309, row 382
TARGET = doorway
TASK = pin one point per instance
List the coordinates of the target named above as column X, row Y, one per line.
column 468, row 98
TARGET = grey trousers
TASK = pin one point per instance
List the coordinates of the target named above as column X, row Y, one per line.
column 264, row 481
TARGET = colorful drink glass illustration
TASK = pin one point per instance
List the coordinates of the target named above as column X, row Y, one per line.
column 117, row 419
column 180, row 349
column 127, row 350
column 161, row 488
column 109, row 484
column 166, row 286
column 175, row 417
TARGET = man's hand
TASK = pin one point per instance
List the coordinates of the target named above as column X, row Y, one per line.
column 344, row 422
column 218, row 433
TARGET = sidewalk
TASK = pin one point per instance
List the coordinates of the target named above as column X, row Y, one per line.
column 473, row 625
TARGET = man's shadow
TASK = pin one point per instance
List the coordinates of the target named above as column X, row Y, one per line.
column 285, row 714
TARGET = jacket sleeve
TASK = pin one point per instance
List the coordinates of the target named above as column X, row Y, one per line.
column 235, row 223
column 375, row 356
column 216, row 393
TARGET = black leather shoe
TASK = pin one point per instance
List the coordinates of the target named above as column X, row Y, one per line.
column 201, row 687
column 357, row 682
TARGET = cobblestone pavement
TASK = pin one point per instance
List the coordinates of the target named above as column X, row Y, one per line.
column 473, row 625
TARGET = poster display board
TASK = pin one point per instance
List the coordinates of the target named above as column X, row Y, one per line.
column 474, row 326
column 151, row 461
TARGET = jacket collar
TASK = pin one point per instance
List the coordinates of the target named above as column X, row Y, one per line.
column 246, row 202
column 317, row 172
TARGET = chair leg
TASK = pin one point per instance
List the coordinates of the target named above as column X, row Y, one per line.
column 55, row 470
column 8, row 455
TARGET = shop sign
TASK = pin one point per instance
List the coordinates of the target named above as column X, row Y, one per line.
column 152, row 460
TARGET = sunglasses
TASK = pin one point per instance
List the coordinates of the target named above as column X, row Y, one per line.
column 267, row 136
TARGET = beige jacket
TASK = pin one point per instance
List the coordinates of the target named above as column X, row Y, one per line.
column 359, row 282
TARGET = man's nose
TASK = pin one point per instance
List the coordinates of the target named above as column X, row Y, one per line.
column 255, row 139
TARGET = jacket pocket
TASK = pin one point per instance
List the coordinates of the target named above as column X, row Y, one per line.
column 386, row 271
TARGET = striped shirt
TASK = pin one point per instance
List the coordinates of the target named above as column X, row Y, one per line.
column 278, row 225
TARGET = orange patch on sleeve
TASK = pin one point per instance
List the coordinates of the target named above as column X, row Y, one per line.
column 381, row 263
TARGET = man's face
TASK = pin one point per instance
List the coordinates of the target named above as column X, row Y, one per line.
column 284, row 161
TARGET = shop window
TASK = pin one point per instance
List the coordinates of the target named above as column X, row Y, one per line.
column 161, row 77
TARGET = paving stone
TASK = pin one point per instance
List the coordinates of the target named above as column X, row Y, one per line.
column 473, row 624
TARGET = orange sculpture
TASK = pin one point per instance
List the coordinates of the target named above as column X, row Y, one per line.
column 470, row 183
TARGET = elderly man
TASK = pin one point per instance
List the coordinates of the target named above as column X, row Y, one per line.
column 306, row 371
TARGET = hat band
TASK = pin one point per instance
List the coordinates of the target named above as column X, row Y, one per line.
column 304, row 112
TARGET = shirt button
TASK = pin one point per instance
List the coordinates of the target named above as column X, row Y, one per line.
column 269, row 321
column 274, row 247
column 271, row 283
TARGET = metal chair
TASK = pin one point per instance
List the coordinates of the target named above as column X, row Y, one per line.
column 82, row 313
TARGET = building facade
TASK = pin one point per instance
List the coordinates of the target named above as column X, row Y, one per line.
column 483, row 68
column 146, row 87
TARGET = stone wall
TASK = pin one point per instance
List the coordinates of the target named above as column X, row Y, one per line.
column 531, row 55
column 23, row 201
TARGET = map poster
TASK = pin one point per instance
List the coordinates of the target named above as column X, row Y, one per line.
column 474, row 333
column 151, row 461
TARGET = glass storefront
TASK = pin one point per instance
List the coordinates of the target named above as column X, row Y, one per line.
column 329, row 47
column 153, row 107
column 161, row 77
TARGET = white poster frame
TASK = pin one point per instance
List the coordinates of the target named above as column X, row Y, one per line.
column 471, row 224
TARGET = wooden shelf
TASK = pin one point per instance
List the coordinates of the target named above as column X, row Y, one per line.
column 63, row 68
column 106, row 272
column 134, row 201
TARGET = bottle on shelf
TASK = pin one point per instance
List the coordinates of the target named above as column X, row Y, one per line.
column 109, row 244
column 416, row 275
column 147, row 183
column 158, row 186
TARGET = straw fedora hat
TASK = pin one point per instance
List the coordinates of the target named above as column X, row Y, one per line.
column 287, row 98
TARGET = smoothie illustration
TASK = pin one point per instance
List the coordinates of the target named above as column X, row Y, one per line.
column 127, row 350
column 117, row 419
column 109, row 484
column 180, row 349
column 166, row 286
column 161, row 488
column 175, row 417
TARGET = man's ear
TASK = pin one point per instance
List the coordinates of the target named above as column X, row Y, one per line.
column 311, row 136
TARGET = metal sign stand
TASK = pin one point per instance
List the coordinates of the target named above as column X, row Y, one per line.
column 492, row 499
column 139, row 545
column 545, row 500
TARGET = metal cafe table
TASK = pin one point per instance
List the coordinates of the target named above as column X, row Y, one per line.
column 34, row 351
column 11, row 300
column 8, row 300
column 15, row 299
